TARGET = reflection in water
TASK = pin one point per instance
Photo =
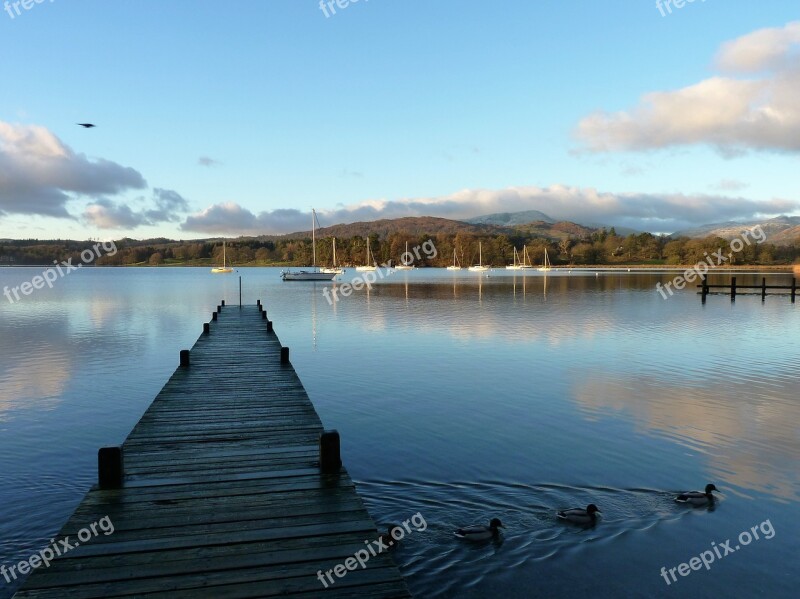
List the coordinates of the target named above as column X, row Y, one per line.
column 460, row 396
column 314, row 317
column 35, row 371
column 34, row 384
column 751, row 442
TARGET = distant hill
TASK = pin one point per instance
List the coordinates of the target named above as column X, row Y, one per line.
column 411, row 225
column 555, row 230
column 429, row 225
column 782, row 230
column 510, row 219
column 623, row 231
column 536, row 218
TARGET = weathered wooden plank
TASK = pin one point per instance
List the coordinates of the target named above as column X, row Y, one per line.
column 230, row 534
column 166, row 564
column 176, row 492
column 241, row 582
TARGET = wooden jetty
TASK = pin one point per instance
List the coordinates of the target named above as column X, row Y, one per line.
column 733, row 288
column 228, row 487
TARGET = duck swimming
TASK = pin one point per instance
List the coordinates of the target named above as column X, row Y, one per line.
column 579, row 515
column 480, row 533
column 696, row 497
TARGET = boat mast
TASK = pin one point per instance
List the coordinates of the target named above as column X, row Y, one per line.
column 313, row 238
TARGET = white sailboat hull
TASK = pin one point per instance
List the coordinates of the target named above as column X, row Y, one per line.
column 479, row 267
column 224, row 269
column 311, row 275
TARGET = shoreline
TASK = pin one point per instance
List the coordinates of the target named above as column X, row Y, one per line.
column 787, row 268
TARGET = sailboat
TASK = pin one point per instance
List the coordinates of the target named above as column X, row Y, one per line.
column 403, row 265
column 546, row 266
column 479, row 266
column 310, row 275
column 334, row 270
column 517, row 264
column 224, row 269
column 526, row 260
column 456, row 264
column 370, row 265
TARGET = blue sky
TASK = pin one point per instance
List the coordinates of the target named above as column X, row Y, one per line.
column 236, row 118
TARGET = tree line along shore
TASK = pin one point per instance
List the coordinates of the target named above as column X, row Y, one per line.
column 601, row 248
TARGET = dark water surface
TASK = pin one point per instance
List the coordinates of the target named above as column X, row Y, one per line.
column 461, row 397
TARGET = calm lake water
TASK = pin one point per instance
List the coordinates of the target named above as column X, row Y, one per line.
column 462, row 397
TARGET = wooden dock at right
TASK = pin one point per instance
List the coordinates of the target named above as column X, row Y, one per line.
column 733, row 288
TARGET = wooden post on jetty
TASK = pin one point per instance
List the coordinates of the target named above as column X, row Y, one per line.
column 330, row 458
column 110, row 468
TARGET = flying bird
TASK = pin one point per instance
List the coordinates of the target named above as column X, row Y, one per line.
column 86, row 125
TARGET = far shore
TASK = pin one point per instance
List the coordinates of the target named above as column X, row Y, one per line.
column 787, row 268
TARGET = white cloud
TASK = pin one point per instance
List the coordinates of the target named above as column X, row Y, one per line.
column 647, row 212
column 208, row 161
column 39, row 174
column 169, row 206
column 732, row 115
column 764, row 49
column 105, row 214
column 730, row 185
